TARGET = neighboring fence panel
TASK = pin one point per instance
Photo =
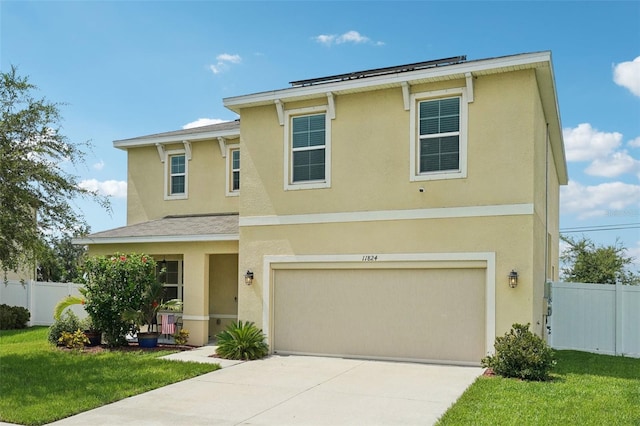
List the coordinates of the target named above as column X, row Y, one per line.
column 598, row 318
column 40, row 298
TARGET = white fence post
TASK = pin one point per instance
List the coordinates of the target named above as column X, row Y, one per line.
column 619, row 312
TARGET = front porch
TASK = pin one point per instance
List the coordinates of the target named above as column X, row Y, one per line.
column 197, row 259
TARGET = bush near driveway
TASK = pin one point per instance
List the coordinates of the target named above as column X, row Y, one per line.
column 521, row 354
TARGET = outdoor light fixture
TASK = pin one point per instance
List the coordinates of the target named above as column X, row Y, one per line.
column 248, row 277
column 513, row 279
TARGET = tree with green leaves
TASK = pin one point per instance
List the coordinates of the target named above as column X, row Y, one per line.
column 61, row 260
column 36, row 187
column 588, row 263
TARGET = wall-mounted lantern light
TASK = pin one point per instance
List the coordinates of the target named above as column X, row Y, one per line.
column 513, row 279
column 248, row 277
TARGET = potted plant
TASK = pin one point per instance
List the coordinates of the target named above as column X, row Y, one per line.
column 86, row 325
column 147, row 313
column 89, row 330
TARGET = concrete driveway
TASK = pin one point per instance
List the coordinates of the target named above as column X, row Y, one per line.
column 296, row 390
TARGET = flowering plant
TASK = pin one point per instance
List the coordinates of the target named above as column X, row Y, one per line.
column 114, row 285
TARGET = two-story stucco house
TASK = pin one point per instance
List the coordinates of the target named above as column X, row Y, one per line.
column 373, row 214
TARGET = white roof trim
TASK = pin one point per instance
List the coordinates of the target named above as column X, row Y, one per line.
column 157, row 239
column 504, row 63
column 145, row 141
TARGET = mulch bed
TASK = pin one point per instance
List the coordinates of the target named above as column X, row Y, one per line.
column 131, row 347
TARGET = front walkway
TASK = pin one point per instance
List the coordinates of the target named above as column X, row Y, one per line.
column 294, row 390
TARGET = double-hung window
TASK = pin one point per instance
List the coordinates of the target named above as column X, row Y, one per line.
column 233, row 171
column 439, row 138
column 176, row 182
column 169, row 273
column 308, row 149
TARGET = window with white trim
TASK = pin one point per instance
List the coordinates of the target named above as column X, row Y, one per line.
column 233, row 171
column 169, row 273
column 176, row 175
column 439, row 136
column 307, row 148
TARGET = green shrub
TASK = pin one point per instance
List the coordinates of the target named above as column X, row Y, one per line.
column 13, row 317
column 521, row 354
column 114, row 285
column 67, row 322
column 241, row 341
column 74, row 340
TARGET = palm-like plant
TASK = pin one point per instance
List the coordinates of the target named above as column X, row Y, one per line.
column 65, row 303
column 242, row 341
column 151, row 303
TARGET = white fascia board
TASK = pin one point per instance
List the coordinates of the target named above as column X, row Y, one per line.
column 156, row 239
column 133, row 143
column 503, row 64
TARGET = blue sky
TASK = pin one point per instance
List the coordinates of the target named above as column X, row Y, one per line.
column 127, row 69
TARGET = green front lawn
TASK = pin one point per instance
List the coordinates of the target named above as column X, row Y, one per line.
column 40, row 383
column 586, row 389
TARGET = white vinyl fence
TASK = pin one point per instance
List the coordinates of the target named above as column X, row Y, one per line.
column 600, row 318
column 40, row 298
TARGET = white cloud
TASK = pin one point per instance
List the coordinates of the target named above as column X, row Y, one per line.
column 223, row 61
column 325, row 39
column 202, row 122
column 627, row 75
column 634, row 143
column 109, row 188
column 585, row 143
column 99, row 165
column 349, row 37
column 598, row 200
column 225, row 57
column 614, row 165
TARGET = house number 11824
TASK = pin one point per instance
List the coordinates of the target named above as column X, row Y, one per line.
column 369, row 258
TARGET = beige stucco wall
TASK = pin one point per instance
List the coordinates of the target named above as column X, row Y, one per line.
column 196, row 276
column 370, row 154
column 206, row 183
column 370, row 172
column 507, row 236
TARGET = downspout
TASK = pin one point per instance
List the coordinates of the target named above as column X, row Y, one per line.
column 546, row 206
column 546, row 231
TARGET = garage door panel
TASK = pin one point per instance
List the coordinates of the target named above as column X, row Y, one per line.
column 435, row 314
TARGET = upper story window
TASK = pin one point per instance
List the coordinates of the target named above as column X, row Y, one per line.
column 233, row 171
column 439, row 145
column 176, row 175
column 307, row 148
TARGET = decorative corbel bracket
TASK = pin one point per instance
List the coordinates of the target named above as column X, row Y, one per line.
column 280, row 111
column 160, row 149
column 187, row 149
column 223, row 146
column 331, row 105
column 469, row 78
column 406, row 95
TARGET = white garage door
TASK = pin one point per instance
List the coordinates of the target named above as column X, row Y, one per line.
column 419, row 314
